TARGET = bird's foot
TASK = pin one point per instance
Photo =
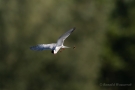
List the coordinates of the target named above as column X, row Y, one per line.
column 60, row 50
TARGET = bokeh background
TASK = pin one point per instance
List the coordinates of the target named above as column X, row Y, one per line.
column 104, row 40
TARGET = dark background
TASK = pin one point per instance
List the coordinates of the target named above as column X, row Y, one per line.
column 104, row 40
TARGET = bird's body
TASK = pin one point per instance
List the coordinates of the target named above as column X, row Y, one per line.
column 55, row 47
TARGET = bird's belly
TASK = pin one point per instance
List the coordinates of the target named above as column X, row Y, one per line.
column 57, row 48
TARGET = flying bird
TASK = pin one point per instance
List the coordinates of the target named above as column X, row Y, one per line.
column 54, row 47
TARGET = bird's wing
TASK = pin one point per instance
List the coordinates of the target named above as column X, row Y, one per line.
column 41, row 47
column 61, row 39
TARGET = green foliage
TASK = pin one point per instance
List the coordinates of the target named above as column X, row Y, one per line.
column 24, row 23
column 119, row 50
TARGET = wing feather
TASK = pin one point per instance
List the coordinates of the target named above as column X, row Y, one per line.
column 61, row 39
column 41, row 47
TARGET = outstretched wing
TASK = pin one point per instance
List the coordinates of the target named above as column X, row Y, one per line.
column 61, row 39
column 41, row 47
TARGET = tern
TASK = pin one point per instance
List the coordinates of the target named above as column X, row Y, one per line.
column 54, row 47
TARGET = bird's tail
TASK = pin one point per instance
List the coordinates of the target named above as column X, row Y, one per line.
column 65, row 47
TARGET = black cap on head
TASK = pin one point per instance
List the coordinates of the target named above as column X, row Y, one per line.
column 53, row 51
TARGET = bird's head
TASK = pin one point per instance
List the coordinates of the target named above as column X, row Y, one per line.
column 54, row 52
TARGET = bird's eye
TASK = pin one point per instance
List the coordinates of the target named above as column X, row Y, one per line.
column 53, row 51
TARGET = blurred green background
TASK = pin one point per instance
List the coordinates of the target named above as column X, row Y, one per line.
column 104, row 40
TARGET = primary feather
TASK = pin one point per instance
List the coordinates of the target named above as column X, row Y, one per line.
column 61, row 39
column 41, row 47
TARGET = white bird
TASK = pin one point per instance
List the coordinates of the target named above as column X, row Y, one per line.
column 55, row 47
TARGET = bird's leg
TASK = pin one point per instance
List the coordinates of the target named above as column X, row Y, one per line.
column 60, row 50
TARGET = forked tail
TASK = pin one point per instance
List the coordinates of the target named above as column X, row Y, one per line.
column 65, row 47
